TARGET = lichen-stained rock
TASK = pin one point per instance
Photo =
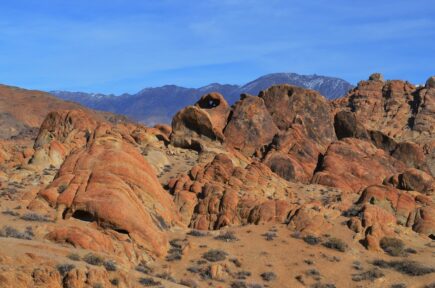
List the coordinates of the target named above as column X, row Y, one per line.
column 196, row 125
column 292, row 155
column 352, row 164
column 109, row 182
column 290, row 105
column 220, row 194
column 250, row 127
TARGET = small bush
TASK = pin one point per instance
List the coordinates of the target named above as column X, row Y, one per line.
column 62, row 187
column 400, row 285
column 393, row 246
column 228, row 236
column 189, row 283
column 215, row 255
column 74, row 256
column 114, row 281
column 144, row 268
column 166, row 276
column 270, row 235
column 236, row 262
column 11, row 213
column 65, row 268
column 312, row 240
column 313, row 272
column 98, row 285
column 268, row 276
column 148, row 282
column 197, row 233
column 35, row 217
column 322, row 285
column 93, row 259
column 242, row 275
column 368, row 275
column 110, row 265
column 407, row 267
column 174, row 254
column 8, row 231
column 336, row 244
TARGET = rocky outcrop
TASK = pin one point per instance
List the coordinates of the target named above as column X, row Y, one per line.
column 250, row 127
column 413, row 180
column 424, row 109
column 384, row 206
column 108, row 176
column 196, row 125
column 60, row 133
column 289, row 105
column 220, row 194
column 380, row 105
column 346, row 125
column 292, row 155
column 352, row 164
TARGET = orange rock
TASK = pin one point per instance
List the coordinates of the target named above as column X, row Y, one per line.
column 351, row 164
column 109, row 182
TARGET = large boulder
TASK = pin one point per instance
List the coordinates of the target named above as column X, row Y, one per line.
column 293, row 155
column 60, row 133
column 291, row 105
column 195, row 126
column 413, row 180
column 110, row 183
column 346, row 125
column 250, row 127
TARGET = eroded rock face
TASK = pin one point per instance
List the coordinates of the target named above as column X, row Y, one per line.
column 352, row 164
column 346, row 125
column 387, row 106
column 410, row 209
column 196, row 125
column 221, row 194
column 413, row 180
column 293, row 155
column 290, row 105
column 424, row 108
column 60, row 133
column 109, row 182
column 250, row 127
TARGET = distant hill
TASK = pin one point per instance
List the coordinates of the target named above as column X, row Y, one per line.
column 159, row 104
column 22, row 111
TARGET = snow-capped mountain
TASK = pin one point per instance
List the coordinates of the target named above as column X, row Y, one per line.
column 159, row 104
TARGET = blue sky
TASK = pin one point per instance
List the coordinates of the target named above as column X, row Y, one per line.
column 115, row 46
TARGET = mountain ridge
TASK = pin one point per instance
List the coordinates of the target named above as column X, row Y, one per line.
column 152, row 105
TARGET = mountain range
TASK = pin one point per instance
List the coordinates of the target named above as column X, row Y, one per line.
column 159, row 104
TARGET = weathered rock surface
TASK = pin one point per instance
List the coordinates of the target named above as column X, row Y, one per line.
column 250, row 127
column 385, row 206
column 352, row 164
column 221, row 194
column 196, row 125
column 292, row 155
column 290, row 105
column 109, row 182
